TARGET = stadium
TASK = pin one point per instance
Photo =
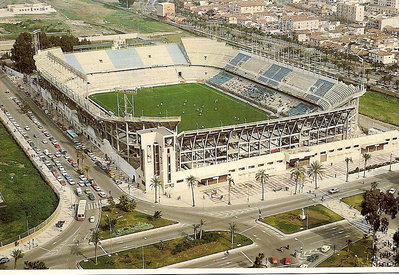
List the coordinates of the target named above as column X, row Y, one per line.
column 202, row 108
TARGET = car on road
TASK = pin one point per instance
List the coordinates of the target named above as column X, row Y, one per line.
column 304, row 266
column 287, row 260
column 91, row 196
column 325, row 248
column 4, row 260
column 102, row 194
column 391, row 190
column 333, row 190
column 91, row 219
column 312, row 258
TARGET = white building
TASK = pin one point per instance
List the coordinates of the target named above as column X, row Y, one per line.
column 385, row 22
column 382, row 57
column 299, row 23
column 386, row 3
column 38, row 8
column 165, row 9
column 350, row 12
column 248, row 7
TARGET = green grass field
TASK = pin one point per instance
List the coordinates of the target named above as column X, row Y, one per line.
column 126, row 220
column 198, row 105
column 380, row 106
column 23, row 189
column 355, row 201
column 162, row 254
column 289, row 222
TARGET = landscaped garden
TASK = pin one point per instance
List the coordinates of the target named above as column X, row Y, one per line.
column 170, row 252
column 359, row 254
column 354, row 201
column 126, row 222
column 291, row 222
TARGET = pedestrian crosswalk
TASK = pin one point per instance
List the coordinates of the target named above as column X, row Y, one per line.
column 231, row 213
column 93, row 205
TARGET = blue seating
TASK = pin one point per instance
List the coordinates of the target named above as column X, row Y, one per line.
column 73, row 61
column 125, row 58
column 239, row 59
column 312, row 97
column 176, row 54
column 321, row 87
column 221, row 78
column 277, row 73
column 301, row 109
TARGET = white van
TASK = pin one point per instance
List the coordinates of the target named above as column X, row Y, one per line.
column 79, row 191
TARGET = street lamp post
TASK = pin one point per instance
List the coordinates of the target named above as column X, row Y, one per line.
column 110, row 229
column 390, row 162
column 303, row 245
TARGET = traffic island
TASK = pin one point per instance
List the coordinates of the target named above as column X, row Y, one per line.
column 354, row 201
column 116, row 222
column 169, row 252
column 358, row 254
column 301, row 219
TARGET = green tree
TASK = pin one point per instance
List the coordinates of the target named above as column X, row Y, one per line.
column 155, row 184
column 17, row 254
column 126, row 3
column 95, row 238
column 22, row 53
column 201, row 228
column 262, row 177
column 316, row 170
column 110, row 223
column 192, row 183
column 298, row 174
column 195, row 229
column 35, row 265
column 258, row 263
column 111, row 202
column 231, row 182
column 126, row 204
column 232, row 228
column 347, row 160
column 366, row 157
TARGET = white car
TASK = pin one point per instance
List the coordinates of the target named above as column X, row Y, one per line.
column 83, row 177
column 325, row 248
column 59, row 178
column 391, row 190
column 304, row 266
column 71, row 181
column 91, row 219
column 97, row 188
column 27, row 128
column 81, row 183
column 57, row 155
column 333, row 190
column 102, row 194
column 44, row 141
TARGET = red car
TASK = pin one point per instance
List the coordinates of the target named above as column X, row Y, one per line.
column 70, row 160
column 287, row 260
column 56, row 145
column 273, row 260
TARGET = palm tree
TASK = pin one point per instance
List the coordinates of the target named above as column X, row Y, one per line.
column 347, row 160
column 17, row 254
column 192, row 182
column 155, row 183
column 195, row 228
column 298, row 173
column 201, row 228
column 349, row 242
column 366, row 158
column 233, row 228
column 95, row 239
column 316, row 170
column 87, row 169
column 231, row 182
column 262, row 177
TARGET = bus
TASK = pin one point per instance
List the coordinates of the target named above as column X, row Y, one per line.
column 80, row 213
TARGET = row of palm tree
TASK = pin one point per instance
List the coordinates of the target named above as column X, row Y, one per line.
column 299, row 173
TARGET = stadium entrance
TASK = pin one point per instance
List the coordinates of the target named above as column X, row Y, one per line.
column 214, row 180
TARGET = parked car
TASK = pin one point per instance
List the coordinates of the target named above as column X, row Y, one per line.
column 91, row 196
column 333, row 190
column 97, row 188
column 287, row 260
column 273, row 260
column 102, row 194
column 391, row 190
column 325, row 248
column 313, row 258
column 4, row 260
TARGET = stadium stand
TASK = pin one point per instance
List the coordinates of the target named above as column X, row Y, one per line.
column 125, row 58
column 239, row 59
column 176, row 54
column 321, row 87
column 221, row 78
column 203, row 51
column 300, row 81
column 195, row 73
column 301, row 109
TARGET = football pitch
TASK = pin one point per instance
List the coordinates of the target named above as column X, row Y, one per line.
column 198, row 105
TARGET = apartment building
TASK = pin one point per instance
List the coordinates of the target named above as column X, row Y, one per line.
column 299, row 23
column 386, row 3
column 350, row 12
column 165, row 9
column 248, row 7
